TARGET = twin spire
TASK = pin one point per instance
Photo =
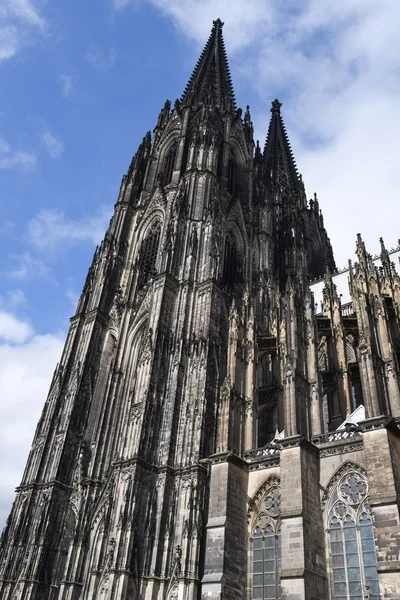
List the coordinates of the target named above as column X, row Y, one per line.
column 280, row 166
column 211, row 79
column 211, row 83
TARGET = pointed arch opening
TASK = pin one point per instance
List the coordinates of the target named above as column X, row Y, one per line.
column 169, row 162
column 350, row 533
column 265, row 541
column 233, row 262
column 232, row 174
column 148, row 253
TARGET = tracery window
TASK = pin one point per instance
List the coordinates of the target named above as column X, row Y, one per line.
column 232, row 273
column 351, row 537
column 266, row 546
column 148, row 254
column 232, row 174
column 169, row 163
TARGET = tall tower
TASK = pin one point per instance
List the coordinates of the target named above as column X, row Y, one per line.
column 177, row 453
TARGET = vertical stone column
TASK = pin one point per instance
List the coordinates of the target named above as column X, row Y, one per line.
column 382, row 458
column 303, row 575
column 225, row 571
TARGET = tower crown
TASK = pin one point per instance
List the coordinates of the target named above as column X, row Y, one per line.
column 211, row 80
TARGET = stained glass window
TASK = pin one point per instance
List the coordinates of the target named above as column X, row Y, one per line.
column 352, row 544
column 266, row 547
column 266, row 564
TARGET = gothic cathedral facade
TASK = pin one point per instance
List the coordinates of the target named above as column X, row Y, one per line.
column 210, row 432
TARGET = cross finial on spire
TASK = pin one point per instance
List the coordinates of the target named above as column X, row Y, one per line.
column 218, row 23
column 276, row 106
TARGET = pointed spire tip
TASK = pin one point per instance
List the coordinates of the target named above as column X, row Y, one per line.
column 276, row 106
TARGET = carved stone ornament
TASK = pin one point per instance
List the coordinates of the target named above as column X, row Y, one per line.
column 117, row 309
column 135, row 412
column 353, row 488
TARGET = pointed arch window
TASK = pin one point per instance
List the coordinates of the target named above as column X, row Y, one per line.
column 266, row 546
column 233, row 268
column 232, row 174
column 169, row 163
column 351, row 541
column 148, row 254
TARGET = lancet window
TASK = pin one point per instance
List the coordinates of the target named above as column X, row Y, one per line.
column 232, row 263
column 232, row 174
column 266, row 544
column 148, row 253
column 169, row 163
column 351, row 540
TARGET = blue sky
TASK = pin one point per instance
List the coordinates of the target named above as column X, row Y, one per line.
column 82, row 82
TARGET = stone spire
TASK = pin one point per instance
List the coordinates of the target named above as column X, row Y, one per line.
column 280, row 166
column 211, row 80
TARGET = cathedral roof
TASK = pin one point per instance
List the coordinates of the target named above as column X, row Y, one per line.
column 211, row 80
column 278, row 156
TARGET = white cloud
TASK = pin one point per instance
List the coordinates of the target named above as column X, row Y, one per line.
column 100, row 60
column 54, row 146
column 27, row 267
column 9, row 42
column 335, row 66
column 23, row 10
column 20, row 22
column 26, row 367
column 15, row 158
column 67, row 84
column 13, row 330
column 50, row 228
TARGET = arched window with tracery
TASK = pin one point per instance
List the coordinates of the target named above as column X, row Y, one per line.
column 148, row 254
column 232, row 174
column 351, row 539
column 169, row 163
column 233, row 263
column 265, row 543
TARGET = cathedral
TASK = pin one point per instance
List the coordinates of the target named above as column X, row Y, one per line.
column 224, row 421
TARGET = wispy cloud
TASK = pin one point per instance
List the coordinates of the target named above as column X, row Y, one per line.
column 9, row 42
column 120, row 4
column 27, row 361
column 66, row 84
column 27, row 266
column 23, row 10
column 72, row 296
column 50, row 228
column 101, row 60
column 15, row 298
column 10, row 158
column 20, row 21
column 53, row 145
